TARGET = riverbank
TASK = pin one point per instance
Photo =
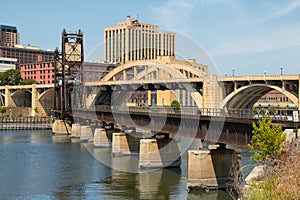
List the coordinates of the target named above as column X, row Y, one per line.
column 279, row 178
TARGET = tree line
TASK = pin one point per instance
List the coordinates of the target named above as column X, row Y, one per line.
column 13, row 77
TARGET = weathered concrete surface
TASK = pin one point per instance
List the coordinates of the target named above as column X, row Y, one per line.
column 86, row 133
column 120, row 145
column 159, row 153
column 149, row 154
column 61, row 127
column 212, row 169
column 101, row 138
column 76, row 130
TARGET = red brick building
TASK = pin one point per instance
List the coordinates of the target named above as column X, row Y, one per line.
column 41, row 72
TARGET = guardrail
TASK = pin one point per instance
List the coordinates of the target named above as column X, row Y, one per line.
column 284, row 114
column 25, row 123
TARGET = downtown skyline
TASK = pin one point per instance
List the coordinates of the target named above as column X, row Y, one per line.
column 254, row 37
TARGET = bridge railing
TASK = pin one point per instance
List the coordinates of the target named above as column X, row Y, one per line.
column 25, row 123
column 283, row 114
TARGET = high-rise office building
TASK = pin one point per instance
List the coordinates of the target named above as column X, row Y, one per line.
column 9, row 36
column 132, row 40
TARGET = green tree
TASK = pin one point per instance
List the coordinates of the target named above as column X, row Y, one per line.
column 2, row 110
column 36, row 110
column 262, row 111
column 272, row 110
column 175, row 104
column 255, row 110
column 267, row 140
column 10, row 77
column 28, row 82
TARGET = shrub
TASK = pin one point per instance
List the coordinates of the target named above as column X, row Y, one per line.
column 2, row 110
column 267, row 139
column 175, row 104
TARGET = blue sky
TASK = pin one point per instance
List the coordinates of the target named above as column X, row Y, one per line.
column 250, row 36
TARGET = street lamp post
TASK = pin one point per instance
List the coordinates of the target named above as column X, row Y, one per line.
column 281, row 68
column 233, row 71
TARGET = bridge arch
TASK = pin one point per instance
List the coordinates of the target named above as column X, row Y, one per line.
column 246, row 96
column 157, row 72
column 21, row 97
column 46, row 100
column 186, row 71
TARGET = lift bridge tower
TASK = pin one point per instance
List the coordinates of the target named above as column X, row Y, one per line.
column 68, row 79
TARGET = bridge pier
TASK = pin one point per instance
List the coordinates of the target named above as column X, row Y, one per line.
column 76, row 132
column 156, row 153
column 213, row 169
column 61, row 127
column 123, row 144
column 101, row 138
column 86, row 133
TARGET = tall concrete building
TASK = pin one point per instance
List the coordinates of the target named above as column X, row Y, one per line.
column 9, row 36
column 132, row 40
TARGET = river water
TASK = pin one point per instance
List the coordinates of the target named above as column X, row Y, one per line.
column 33, row 166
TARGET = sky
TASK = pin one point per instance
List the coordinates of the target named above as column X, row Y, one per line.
column 252, row 37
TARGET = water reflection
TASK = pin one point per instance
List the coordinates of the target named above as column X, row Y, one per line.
column 34, row 167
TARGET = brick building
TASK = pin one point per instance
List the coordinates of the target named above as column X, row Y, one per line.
column 275, row 99
column 9, row 35
column 10, row 47
column 26, row 54
column 43, row 72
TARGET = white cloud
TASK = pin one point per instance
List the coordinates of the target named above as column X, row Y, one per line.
column 230, row 3
column 174, row 14
column 282, row 11
column 265, row 41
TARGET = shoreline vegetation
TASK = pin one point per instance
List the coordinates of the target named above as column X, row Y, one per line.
column 277, row 177
column 281, row 177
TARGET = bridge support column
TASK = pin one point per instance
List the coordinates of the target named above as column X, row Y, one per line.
column 123, row 144
column 75, row 135
column 76, row 129
column 61, row 127
column 213, row 169
column 101, row 138
column 36, row 107
column 86, row 133
column 159, row 153
column 9, row 102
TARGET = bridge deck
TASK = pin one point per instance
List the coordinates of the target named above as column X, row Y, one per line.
column 218, row 128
